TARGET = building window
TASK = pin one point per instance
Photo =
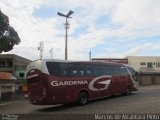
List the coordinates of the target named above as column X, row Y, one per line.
column 158, row 64
column 9, row 63
column 21, row 75
column 2, row 64
column 149, row 65
column 143, row 63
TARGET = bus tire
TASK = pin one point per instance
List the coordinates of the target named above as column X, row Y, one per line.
column 128, row 91
column 83, row 98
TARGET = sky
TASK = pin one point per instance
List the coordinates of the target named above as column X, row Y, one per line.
column 107, row 28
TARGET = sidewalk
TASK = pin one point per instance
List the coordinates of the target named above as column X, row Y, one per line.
column 3, row 103
column 6, row 102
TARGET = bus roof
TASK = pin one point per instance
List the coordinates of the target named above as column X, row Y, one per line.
column 40, row 64
column 73, row 61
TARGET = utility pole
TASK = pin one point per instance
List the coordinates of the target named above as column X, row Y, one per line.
column 66, row 40
column 90, row 55
column 66, row 28
column 40, row 48
column 51, row 51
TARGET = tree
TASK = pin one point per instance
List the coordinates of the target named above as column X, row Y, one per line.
column 8, row 36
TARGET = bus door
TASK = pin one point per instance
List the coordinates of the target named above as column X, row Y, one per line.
column 133, row 76
column 117, row 80
column 124, row 78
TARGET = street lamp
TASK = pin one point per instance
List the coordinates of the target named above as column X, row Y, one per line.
column 90, row 56
column 66, row 27
column 51, row 51
column 40, row 48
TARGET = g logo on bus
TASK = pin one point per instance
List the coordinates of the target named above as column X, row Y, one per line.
column 106, row 82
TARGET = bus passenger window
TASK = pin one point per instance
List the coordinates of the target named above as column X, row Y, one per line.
column 64, row 73
column 115, row 70
column 89, row 70
column 54, row 68
column 81, row 73
column 76, row 70
column 88, row 73
column 74, row 73
column 123, row 71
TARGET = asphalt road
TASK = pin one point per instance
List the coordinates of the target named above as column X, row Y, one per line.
column 146, row 100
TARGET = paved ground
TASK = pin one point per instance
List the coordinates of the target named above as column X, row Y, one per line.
column 146, row 100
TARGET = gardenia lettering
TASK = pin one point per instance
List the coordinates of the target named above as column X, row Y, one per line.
column 64, row 83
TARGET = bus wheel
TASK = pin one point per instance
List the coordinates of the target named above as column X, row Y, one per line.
column 128, row 91
column 83, row 98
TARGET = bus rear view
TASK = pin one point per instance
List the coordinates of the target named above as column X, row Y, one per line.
column 36, row 83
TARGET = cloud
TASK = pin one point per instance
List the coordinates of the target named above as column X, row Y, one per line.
column 137, row 50
column 126, row 22
column 138, row 15
column 31, row 29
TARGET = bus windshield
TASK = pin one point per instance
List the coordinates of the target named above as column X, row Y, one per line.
column 133, row 73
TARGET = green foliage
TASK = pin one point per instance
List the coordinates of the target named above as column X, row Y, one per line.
column 8, row 36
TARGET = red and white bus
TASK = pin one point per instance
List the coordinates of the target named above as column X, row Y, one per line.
column 59, row 82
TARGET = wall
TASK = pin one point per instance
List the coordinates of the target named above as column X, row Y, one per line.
column 7, row 90
column 149, row 79
column 135, row 62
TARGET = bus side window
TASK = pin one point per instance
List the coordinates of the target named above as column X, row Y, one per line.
column 123, row 71
column 73, row 69
column 96, row 70
column 54, row 68
column 74, row 73
column 107, row 70
column 89, row 70
column 81, row 72
column 76, row 70
column 64, row 70
column 115, row 70
column 101, row 70
column 88, row 73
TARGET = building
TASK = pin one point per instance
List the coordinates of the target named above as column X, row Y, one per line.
column 148, row 67
column 8, row 89
column 145, row 64
column 14, row 64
